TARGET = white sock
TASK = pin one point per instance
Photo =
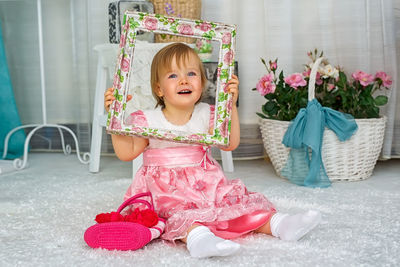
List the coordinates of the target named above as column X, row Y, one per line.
column 294, row 227
column 202, row 243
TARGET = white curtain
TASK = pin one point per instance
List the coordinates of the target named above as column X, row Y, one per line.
column 361, row 34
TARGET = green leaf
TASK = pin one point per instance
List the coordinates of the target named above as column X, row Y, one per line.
column 261, row 115
column 381, row 100
column 269, row 106
column 270, row 96
column 221, row 96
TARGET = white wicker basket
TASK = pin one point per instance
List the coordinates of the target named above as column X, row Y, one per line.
column 351, row 160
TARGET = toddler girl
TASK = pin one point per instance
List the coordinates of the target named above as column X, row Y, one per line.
column 202, row 207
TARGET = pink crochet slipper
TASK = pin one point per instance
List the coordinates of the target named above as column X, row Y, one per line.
column 118, row 235
column 124, row 235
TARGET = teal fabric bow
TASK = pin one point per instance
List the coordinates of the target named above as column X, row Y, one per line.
column 305, row 134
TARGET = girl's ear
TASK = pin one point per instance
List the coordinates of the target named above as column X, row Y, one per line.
column 158, row 90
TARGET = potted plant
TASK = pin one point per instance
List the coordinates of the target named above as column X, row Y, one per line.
column 357, row 96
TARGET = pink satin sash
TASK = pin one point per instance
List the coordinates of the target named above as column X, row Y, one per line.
column 177, row 156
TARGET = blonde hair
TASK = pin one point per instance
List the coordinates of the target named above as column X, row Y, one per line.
column 163, row 60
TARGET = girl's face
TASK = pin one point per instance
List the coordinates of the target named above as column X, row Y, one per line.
column 180, row 86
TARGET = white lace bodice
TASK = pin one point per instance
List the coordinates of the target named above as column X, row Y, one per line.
column 198, row 123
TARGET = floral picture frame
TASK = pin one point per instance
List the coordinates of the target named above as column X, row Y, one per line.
column 165, row 25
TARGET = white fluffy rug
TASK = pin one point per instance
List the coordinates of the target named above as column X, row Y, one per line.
column 45, row 209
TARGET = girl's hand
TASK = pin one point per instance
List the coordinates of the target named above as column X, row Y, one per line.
column 109, row 98
column 233, row 88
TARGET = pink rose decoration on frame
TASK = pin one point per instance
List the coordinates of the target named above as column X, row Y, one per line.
column 365, row 79
column 115, row 124
column 386, row 79
column 228, row 58
column 205, row 27
column 125, row 64
column 266, row 84
column 137, row 129
column 122, row 40
column 226, row 38
column 229, row 106
column 195, row 137
column 118, row 107
column 150, row 23
column 137, row 118
column 185, row 29
column 224, row 128
column 295, row 80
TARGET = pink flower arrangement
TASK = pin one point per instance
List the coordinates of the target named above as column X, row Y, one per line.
column 287, row 95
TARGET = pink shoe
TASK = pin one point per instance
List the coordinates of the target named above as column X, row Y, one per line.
column 123, row 235
column 117, row 235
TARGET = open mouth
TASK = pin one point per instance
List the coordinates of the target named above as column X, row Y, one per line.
column 184, row 92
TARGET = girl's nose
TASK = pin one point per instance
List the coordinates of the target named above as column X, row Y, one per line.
column 183, row 80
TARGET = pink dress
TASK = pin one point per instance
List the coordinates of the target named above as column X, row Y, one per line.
column 189, row 186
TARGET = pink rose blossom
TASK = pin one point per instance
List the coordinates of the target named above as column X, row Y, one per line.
column 205, row 27
column 226, row 87
column 137, row 118
column 265, row 85
column 199, row 43
column 224, row 128
column 118, row 106
column 185, row 29
column 365, row 79
column 318, row 79
column 386, row 79
column 273, row 65
column 169, row 135
column 218, row 72
column 330, row 87
column 229, row 106
column 137, row 129
column 295, row 80
column 226, row 38
column 195, row 137
column 228, row 57
column 125, row 64
column 150, row 23
column 122, row 40
column 115, row 124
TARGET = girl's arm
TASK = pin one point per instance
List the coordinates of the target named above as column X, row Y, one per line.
column 126, row 148
column 234, row 139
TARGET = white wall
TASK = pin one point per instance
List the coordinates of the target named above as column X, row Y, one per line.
column 249, row 48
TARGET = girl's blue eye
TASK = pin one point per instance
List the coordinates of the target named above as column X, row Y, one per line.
column 172, row 76
column 192, row 73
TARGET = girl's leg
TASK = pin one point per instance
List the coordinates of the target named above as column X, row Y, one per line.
column 291, row 227
column 202, row 243
column 266, row 228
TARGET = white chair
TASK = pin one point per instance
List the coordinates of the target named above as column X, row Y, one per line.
column 107, row 54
